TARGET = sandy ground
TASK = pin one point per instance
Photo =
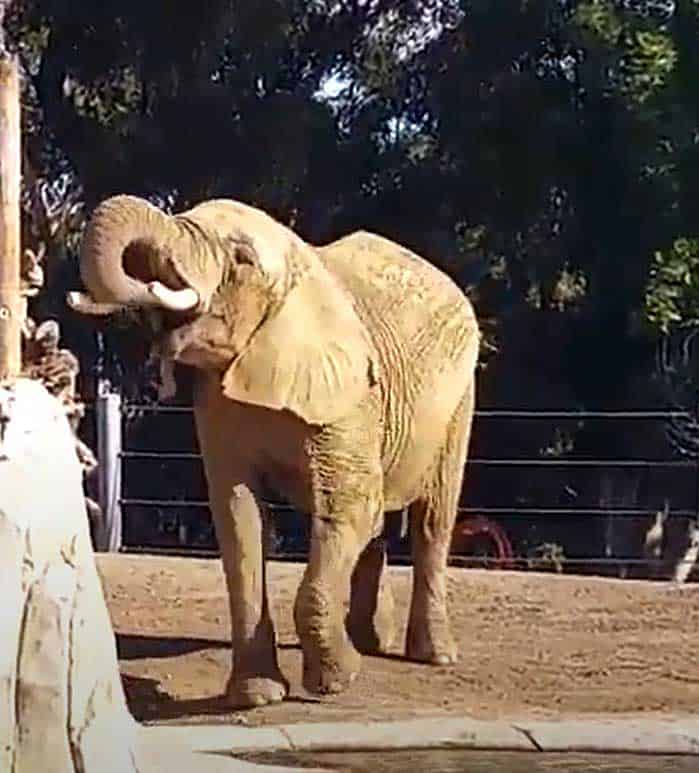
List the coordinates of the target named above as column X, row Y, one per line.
column 531, row 644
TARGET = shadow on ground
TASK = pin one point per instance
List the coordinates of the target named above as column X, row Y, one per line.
column 137, row 647
column 149, row 701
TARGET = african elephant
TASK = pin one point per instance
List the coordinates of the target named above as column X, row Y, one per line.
column 341, row 376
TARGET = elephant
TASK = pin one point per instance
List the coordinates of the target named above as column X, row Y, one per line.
column 342, row 376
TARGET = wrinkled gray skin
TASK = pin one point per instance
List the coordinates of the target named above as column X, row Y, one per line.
column 341, row 375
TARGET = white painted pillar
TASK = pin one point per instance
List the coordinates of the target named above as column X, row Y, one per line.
column 108, row 416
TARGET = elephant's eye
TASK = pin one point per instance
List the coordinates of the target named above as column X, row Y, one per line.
column 245, row 254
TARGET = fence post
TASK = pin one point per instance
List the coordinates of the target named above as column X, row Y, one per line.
column 10, row 299
column 108, row 415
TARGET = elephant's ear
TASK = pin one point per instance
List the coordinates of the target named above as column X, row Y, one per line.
column 312, row 357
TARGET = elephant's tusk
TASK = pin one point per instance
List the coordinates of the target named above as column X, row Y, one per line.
column 175, row 300
column 83, row 303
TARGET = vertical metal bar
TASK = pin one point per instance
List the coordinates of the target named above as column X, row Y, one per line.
column 108, row 410
column 10, row 299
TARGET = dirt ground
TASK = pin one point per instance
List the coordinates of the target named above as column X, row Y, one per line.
column 531, row 644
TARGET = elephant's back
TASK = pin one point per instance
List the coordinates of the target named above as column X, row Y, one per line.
column 426, row 335
column 378, row 269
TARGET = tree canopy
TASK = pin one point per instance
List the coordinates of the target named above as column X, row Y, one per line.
column 544, row 153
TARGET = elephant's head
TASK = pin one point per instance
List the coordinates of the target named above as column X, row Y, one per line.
column 135, row 256
column 234, row 292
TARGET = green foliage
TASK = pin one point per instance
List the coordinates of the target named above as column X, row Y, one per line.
column 649, row 61
column 542, row 153
column 107, row 100
column 602, row 19
column 672, row 299
column 643, row 53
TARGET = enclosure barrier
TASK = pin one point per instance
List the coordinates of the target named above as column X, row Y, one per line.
column 119, row 507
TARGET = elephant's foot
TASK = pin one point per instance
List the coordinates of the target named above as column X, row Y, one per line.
column 254, row 691
column 431, row 643
column 376, row 634
column 330, row 674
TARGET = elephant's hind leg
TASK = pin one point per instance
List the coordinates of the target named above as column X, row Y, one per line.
column 429, row 638
column 370, row 622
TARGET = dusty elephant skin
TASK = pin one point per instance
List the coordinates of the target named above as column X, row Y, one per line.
column 341, row 377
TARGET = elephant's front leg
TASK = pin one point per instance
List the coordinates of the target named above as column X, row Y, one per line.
column 330, row 661
column 256, row 679
column 347, row 504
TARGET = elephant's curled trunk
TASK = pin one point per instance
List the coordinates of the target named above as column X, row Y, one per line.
column 129, row 257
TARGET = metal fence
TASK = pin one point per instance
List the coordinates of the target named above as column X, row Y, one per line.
column 154, row 498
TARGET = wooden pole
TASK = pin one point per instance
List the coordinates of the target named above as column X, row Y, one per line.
column 10, row 142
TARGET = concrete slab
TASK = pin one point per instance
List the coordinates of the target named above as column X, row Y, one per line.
column 633, row 736
column 433, row 733
column 217, row 739
column 185, row 749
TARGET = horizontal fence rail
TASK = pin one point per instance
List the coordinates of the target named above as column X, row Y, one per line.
column 513, row 510
column 504, row 513
column 525, row 462
column 518, row 562
column 499, row 413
